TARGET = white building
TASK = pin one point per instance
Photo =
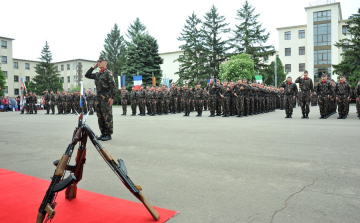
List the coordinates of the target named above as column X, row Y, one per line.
column 15, row 69
column 170, row 66
column 311, row 46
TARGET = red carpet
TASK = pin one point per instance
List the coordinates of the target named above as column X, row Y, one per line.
column 21, row 196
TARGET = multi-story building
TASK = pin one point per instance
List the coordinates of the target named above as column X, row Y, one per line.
column 311, row 46
column 15, row 69
column 170, row 66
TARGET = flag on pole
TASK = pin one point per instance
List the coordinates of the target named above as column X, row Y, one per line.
column 137, row 81
column 166, row 82
column 119, row 82
column 82, row 93
column 258, row 79
column 23, row 84
column 123, row 81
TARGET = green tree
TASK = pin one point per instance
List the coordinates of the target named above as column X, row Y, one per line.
column 2, row 82
column 350, row 64
column 136, row 28
column 269, row 73
column 115, row 52
column 249, row 37
column 240, row 65
column 143, row 58
column 192, row 61
column 47, row 77
column 215, row 48
column 30, row 86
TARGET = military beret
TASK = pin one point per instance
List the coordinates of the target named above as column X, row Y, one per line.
column 342, row 76
column 244, row 79
column 288, row 77
column 324, row 75
column 306, row 71
column 198, row 83
column 101, row 58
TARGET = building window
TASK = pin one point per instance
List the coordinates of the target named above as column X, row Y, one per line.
column 287, row 35
column 287, row 68
column 68, row 79
column 319, row 71
column 322, row 57
column 74, row 66
column 287, row 51
column 181, row 56
column 4, row 59
column 3, row 44
column 322, row 34
column 321, row 16
column 62, row 79
column 5, row 74
column 68, row 66
column 301, row 67
column 75, row 79
column 56, row 68
column 302, row 50
column 16, row 91
column 16, row 65
column 345, row 30
column 345, row 48
column 62, row 67
column 16, row 78
column 27, row 78
column 301, row 34
column 6, row 90
column 27, row 66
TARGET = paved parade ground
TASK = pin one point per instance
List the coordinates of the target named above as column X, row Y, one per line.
column 262, row 168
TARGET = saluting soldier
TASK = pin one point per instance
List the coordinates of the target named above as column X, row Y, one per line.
column 306, row 86
column 142, row 100
column 206, row 100
column 239, row 94
column 291, row 91
column 324, row 90
column 173, row 99
column 106, row 91
column 153, row 101
column 342, row 90
column 186, row 99
column 226, row 95
column 213, row 94
column 124, row 99
column 52, row 102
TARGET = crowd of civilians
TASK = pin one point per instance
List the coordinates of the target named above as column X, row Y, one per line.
column 13, row 103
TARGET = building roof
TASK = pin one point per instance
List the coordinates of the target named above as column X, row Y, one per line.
column 318, row 4
column 36, row 61
column 75, row 60
column 290, row 27
column 2, row 37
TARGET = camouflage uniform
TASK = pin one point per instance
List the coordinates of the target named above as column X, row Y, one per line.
column 357, row 95
column 290, row 90
column 199, row 99
column 52, row 103
column 105, row 89
column 153, row 102
column 63, row 103
column 282, row 100
column 239, row 89
column 227, row 98
column 314, row 99
column 90, row 98
column 206, row 98
column 246, row 99
column 134, row 99
column 173, row 100
column 34, row 101
column 342, row 90
column 76, row 102
column 213, row 94
column 180, row 106
column 147, row 101
column 306, row 85
column 160, row 102
column 69, row 101
column 186, row 99
column 47, row 101
column 124, row 99
column 166, row 101
column 324, row 90
column 142, row 101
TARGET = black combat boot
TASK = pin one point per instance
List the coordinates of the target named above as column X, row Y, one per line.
column 100, row 137
column 307, row 116
column 340, row 117
column 287, row 116
column 303, row 116
column 106, row 138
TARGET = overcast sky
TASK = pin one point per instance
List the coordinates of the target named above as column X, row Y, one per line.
column 77, row 29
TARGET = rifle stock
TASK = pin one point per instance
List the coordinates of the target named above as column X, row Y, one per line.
column 148, row 206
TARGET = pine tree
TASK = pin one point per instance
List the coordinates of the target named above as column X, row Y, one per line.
column 269, row 73
column 115, row 51
column 2, row 82
column 47, row 77
column 136, row 28
column 350, row 64
column 143, row 58
column 192, row 62
column 215, row 48
column 249, row 37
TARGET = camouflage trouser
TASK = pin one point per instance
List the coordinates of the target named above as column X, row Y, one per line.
column 124, row 106
column 160, row 105
column 142, row 105
column 198, row 106
column 289, row 102
column 192, row 105
column 104, row 114
column 342, row 104
column 166, row 105
column 226, row 107
column 347, row 107
column 205, row 104
column 323, row 99
column 85, row 107
column 218, row 105
column 212, row 104
column 240, row 104
column 179, row 105
column 304, row 101
column 186, row 105
column 261, row 103
column 148, row 107
column 233, row 109
column 52, row 107
column 173, row 104
column 358, row 105
column 282, row 104
column 91, row 106
column 59, row 107
column 246, row 104
column 256, row 104
column 95, row 104
column 47, row 106
column 153, row 106
column 133, row 107
column 252, row 105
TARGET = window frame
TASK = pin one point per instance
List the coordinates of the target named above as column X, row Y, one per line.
column 68, row 79
column 5, row 74
column 27, row 66
column 301, row 34
column 301, row 49
column 287, row 68
column 27, row 78
column 68, row 66
column 288, row 51
column 16, row 65
column 62, row 78
column 17, row 78
column 62, row 67
column 17, row 91
column 3, row 46
column 346, row 28
column 301, row 67
column 288, row 35
column 2, row 59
